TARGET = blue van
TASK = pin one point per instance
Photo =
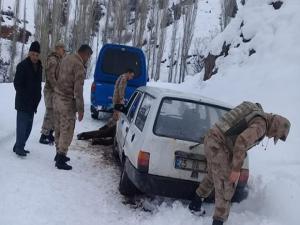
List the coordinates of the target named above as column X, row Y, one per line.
column 112, row 62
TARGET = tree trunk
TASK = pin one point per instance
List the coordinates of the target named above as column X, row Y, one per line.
column 189, row 23
column 24, row 29
column 162, row 38
column 173, row 47
column 13, row 48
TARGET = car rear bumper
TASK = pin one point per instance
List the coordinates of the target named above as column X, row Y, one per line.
column 170, row 187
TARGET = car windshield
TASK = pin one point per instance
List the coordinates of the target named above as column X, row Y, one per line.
column 185, row 119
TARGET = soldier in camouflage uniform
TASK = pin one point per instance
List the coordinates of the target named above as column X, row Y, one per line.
column 119, row 95
column 68, row 100
column 225, row 147
column 106, row 134
column 52, row 68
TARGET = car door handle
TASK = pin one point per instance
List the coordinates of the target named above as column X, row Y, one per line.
column 132, row 137
column 126, row 129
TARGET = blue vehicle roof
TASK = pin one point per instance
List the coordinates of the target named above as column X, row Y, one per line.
column 115, row 59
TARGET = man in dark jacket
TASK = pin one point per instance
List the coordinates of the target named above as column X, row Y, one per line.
column 28, row 87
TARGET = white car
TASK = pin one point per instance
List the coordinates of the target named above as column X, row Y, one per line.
column 159, row 141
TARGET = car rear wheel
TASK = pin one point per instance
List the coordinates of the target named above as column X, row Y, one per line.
column 126, row 187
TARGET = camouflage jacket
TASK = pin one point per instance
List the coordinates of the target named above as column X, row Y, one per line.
column 119, row 91
column 238, row 145
column 69, row 88
column 52, row 69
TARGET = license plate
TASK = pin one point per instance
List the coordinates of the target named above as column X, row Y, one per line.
column 190, row 164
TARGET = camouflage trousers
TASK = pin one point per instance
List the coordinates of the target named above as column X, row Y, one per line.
column 219, row 168
column 64, row 124
column 48, row 123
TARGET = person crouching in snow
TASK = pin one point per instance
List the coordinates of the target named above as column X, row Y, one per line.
column 225, row 147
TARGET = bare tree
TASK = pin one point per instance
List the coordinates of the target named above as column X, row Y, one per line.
column 42, row 28
column 82, row 29
column 108, row 15
column 13, row 47
column 173, row 41
column 141, row 12
column 120, row 17
column 177, row 63
column 56, row 22
column 65, row 20
column 190, row 14
column 154, row 38
column 162, row 37
column 228, row 10
column 150, row 29
column 24, row 29
column 0, row 24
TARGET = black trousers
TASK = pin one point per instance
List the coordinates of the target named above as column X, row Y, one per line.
column 24, row 126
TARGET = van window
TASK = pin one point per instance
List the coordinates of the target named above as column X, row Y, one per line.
column 143, row 112
column 134, row 106
column 117, row 61
column 185, row 120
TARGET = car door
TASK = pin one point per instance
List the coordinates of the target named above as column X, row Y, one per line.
column 135, row 136
column 126, row 119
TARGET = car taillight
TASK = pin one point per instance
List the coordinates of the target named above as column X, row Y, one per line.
column 93, row 87
column 244, row 175
column 143, row 161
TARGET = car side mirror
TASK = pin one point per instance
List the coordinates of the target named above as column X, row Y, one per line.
column 121, row 108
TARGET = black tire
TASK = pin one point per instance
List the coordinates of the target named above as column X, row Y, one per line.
column 115, row 151
column 95, row 115
column 240, row 194
column 126, row 187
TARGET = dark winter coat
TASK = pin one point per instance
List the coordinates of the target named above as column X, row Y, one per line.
column 28, row 85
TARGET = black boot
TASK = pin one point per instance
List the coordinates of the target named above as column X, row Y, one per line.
column 44, row 139
column 26, row 151
column 61, row 163
column 195, row 206
column 66, row 158
column 20, row 152
column 217, row 222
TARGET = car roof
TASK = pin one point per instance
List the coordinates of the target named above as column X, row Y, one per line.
column 159, row 92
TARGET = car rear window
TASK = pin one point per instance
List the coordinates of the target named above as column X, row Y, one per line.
column 185, row 120
column 117, row 61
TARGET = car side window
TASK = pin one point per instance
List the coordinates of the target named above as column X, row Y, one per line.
column 143, row 112
column 134, row 106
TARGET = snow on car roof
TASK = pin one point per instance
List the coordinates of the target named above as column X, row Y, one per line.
column 160, row 92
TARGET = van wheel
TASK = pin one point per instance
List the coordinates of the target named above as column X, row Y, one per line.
column 126, row 187
column 95, row 115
